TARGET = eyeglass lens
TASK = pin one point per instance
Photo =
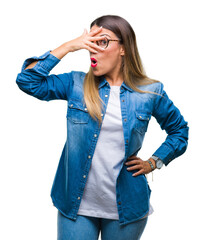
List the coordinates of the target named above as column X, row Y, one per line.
column 103, row 43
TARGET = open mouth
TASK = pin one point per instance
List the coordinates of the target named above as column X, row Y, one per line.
column 93, row 62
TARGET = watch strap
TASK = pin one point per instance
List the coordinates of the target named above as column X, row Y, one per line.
column 155, row 158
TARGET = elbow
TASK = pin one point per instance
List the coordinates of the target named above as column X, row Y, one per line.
column 181, row 142
column 31, row 87
column 22, row 83
column 181, row 147
column 18, row 81
column 185, row 138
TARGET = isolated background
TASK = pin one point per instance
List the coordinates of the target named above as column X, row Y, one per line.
column 32, row 132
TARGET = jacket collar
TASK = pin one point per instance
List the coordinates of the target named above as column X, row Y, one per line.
column 104, row 82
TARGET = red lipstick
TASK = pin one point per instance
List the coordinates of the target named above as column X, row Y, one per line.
column 93, row 62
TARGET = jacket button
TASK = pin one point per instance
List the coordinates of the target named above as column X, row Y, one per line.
column 86, row 109
column 125, row 119
column 89, row 156
column 126, row 141
column 119, row 203
column 106, row 95
column 71, row 105
column 101, row 114
column 95, row 135
column 123, row 100
column 78, row 198
column 84, row 176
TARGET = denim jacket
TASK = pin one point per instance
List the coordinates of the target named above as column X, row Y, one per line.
column 132, row 193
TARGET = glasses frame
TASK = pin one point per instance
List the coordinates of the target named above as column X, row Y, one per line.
column 108, row 41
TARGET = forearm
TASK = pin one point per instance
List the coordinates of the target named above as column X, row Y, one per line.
column 59, row 52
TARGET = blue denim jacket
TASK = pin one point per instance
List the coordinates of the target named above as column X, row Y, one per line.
column 132, row 193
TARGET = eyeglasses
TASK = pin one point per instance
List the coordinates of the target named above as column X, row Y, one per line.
column 105, row 42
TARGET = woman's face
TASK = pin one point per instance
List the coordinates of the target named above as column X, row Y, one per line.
column 108, row 62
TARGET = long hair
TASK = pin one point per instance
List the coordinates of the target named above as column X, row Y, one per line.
column 133, row 72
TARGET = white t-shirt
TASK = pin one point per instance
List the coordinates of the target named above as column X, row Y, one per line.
column 99, row 196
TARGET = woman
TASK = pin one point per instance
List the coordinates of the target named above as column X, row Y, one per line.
column 100, row 183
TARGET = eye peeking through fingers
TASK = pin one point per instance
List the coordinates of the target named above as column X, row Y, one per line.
column 102, row 43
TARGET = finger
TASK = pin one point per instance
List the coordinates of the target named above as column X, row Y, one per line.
column 137, row 161
column 93, row 33
column 90, row 49
column 138, row 173
column 130, row 162
column 135, row 167
column 96, row 38
column 94, row 46
column 134, row 157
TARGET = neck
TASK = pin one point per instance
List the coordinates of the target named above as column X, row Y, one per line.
column 115, row 79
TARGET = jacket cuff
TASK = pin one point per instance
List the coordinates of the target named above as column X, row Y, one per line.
column 46, row 63
column 165, row 154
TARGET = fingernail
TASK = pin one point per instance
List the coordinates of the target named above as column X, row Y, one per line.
column 128, row 168
column 133, row 174
column 98, row 29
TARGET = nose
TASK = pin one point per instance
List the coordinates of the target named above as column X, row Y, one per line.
column 92, row 54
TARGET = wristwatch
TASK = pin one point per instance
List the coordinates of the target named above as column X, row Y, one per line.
column 158, row 161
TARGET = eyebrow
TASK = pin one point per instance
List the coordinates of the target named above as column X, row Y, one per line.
column 105, row 34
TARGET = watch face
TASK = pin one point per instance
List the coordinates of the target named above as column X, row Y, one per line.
column 159, row 164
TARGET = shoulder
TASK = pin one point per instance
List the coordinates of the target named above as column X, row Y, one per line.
column 156, row 87
column 78, row 76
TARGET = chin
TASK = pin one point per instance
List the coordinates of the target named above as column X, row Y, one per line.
column 97, row 73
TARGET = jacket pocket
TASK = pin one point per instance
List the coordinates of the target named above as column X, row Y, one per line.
column 77, row 112
column 142, row 121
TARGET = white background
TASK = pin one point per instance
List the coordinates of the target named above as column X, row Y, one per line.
column 171, row 44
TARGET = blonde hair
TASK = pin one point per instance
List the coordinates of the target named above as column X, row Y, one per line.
column 133, row 72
